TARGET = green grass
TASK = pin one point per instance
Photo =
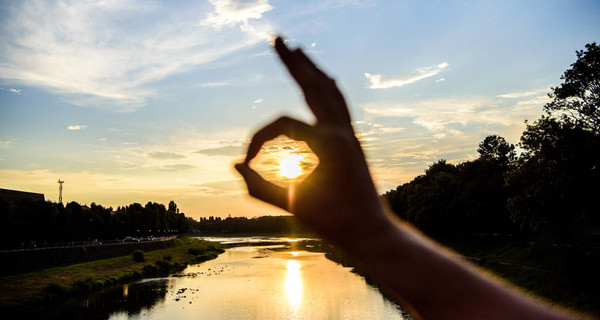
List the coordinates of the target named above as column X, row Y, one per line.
column 59, row 283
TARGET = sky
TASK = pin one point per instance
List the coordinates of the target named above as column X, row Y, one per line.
column 136, row 101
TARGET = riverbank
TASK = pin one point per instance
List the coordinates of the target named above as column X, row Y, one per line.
column 24, row 290
column 32, row 259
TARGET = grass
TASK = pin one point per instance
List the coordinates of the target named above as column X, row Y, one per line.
column 53, row 284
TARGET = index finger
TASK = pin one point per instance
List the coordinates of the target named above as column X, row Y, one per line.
column 321, row 93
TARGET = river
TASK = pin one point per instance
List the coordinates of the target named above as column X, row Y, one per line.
column 248, row 282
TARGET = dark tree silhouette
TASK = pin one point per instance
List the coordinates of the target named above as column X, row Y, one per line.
column 577, row 99
column 496, row 147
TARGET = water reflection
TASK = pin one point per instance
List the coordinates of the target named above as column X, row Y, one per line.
column 117, row 303
column 244, row 283
column 293, row 286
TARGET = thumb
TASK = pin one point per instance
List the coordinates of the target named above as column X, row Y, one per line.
column 261, row 188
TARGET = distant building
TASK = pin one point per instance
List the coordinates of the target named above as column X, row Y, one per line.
column 14, row 195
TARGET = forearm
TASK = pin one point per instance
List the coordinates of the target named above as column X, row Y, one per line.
column 436, row 284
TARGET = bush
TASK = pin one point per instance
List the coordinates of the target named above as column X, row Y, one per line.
column 164, row 266
column 150, row 270
column 97, row 285
column 125, row 277
column 83, row 286
column 196, row 250
column 138, row 255
column 136, row 274
column 56, row 289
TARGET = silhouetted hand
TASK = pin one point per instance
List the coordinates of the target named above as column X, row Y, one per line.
column 338, row 200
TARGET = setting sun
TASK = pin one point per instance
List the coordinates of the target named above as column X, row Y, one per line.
column 289, row 167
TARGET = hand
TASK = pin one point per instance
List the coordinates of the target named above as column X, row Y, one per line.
column 338, row 200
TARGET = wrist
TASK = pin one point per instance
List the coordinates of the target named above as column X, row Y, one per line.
column 374, row 236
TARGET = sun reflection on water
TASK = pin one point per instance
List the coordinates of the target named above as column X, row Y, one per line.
column 293, row 286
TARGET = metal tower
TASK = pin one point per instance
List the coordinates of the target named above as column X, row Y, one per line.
column 60, row 182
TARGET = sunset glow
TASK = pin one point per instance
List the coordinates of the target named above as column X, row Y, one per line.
column 289, row 167
column 136, row 101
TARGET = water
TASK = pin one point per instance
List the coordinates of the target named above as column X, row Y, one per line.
column 266, row 282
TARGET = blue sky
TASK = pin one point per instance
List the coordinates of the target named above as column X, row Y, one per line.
column 137, row 101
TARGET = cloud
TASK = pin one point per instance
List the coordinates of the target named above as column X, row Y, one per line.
column 165, row 155
column 523, row 94
column 220, row 187
column 439, row 114
column 6, row 144
column 534, row 102
column 258, row 100
column 77, row 127
column 91, row 53
column 215, row 84
column 378, row 81
column 176, row 167
column 440, row 80
column 17, row 91
column 233, row 12
column 367, row 132
column 223, row 151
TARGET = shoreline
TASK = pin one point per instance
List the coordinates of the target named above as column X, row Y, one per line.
column 55, row 285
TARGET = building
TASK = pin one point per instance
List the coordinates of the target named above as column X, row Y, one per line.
column 15, row 195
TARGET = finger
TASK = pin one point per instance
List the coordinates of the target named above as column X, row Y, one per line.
column 292, row 128
column 263, row 189
column 320, row 91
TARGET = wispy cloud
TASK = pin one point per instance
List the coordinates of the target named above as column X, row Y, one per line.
column 17, row 91
column 515, row 95
column 77, row 127
column 221, row 187
column 438, row 114
column 90, row 53
column 176, row 167
column 165, row 155
column 223, row 151
column 5, row 144
column 378, row 81
column 215, row 84
column 232, row 12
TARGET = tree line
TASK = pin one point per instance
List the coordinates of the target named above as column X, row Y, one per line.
column 265, row 225
column 27, row 222
column 548, row 185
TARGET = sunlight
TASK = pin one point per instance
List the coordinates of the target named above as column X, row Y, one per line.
column 293, row 285
column 289, row 167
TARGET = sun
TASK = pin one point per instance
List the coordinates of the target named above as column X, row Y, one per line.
column 289, row 167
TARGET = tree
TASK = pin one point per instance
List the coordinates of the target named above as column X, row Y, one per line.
column 558, row 177
column 495, row 147
column 577, row 100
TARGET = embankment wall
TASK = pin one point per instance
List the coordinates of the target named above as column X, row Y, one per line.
column 19, row 261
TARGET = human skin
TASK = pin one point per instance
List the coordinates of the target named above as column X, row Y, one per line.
column 338, row 200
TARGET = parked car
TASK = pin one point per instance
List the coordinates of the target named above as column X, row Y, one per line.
column 130, row 239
